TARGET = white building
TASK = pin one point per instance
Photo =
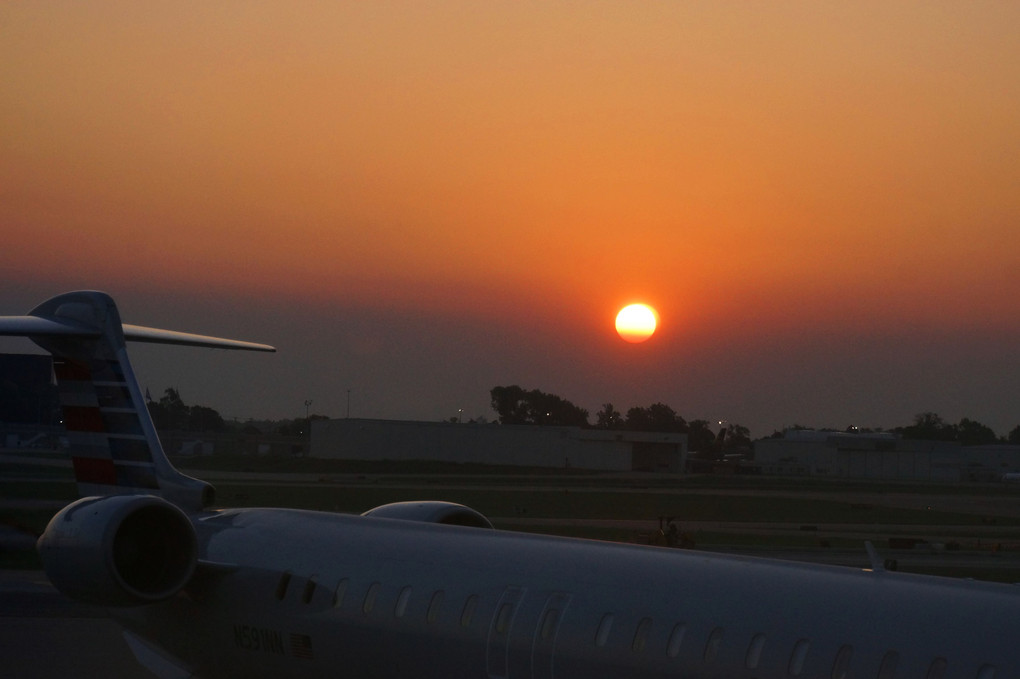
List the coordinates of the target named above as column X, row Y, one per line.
column 494, row 444
column 881, row 456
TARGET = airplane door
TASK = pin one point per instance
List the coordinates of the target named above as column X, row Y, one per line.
column 545, row 636
column 497, row 652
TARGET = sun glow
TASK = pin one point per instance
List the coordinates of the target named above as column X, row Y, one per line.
column 636, row 322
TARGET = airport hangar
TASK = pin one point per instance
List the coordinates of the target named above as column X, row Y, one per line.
column 495, row 444
column 798, row 453
column 880, row 455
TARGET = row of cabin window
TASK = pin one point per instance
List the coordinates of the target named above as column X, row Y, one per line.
column 368, row 604
column 840, row 667
column 503, row 616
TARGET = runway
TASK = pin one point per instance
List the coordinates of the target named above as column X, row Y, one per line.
column 44, row 635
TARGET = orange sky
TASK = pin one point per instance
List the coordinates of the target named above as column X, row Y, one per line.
column 750, row 169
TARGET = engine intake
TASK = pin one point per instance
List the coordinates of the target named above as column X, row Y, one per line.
column 119, row 550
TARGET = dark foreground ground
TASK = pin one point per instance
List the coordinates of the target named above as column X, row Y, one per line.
column 43, row 635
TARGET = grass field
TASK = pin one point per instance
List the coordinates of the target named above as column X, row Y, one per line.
column 594, row 502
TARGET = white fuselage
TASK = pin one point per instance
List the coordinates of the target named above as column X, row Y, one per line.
column 309, row 594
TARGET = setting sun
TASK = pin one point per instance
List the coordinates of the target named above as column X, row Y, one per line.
column 636, row 322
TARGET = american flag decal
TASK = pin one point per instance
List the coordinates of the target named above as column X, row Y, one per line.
column 301, row 646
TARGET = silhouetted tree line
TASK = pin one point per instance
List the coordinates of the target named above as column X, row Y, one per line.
column 701, row 436
column 171, row 412
column 929, row 426
column 519, row 406
column 516, row 405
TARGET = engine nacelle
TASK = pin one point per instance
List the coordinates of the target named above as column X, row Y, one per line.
column 119, row 550
column 449, row 513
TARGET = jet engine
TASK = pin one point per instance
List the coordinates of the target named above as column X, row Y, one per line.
column 449, row 513
column 119, row 550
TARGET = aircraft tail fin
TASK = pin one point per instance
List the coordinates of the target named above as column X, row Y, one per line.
column 113, row 441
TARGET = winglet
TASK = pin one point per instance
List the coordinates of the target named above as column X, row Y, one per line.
column 876, row 561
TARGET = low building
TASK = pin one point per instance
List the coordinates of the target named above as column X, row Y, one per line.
column 493, row 444
column 881, row 456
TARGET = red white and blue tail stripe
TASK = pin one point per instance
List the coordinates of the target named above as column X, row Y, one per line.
column 114, row 445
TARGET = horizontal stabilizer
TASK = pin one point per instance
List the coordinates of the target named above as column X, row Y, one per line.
column 25, row 326
column 37, row 326
column 140, row 333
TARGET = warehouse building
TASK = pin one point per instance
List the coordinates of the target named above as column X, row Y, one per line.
column 494, row 444
column 881, row 456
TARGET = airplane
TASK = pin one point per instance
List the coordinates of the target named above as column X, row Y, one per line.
column 431, row 589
